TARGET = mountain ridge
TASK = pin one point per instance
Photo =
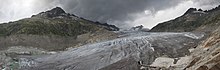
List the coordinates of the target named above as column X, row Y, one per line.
column 53, row 30
column 56, row 19
column 192, row 20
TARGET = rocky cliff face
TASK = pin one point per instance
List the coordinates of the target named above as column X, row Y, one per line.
column 206, row 56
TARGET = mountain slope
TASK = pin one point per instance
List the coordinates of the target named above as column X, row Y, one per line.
column 206, row 55
column 192, row 20
column 53, row 22
column 51, row 30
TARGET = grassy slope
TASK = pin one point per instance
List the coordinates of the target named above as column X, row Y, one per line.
column 50, row 33
column 39, row 26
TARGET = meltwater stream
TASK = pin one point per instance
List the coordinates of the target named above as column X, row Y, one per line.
column 128, row 52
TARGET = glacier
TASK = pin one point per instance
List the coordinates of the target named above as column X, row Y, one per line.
column 131, row 50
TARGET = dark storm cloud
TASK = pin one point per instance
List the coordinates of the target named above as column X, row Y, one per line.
column 105, row 10
column 118, row 12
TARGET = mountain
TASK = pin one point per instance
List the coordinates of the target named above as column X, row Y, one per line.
column 52, row 30
column 193, row 20
column 206, row 55
column 53, row 22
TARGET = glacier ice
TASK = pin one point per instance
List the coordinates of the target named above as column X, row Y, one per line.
column 137, row 46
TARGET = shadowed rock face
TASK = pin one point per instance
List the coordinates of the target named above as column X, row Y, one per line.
column 55, row 12
column 127, row 53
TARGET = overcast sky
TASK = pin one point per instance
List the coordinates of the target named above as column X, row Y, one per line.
column 123, row 13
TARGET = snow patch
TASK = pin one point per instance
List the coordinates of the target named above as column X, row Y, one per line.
column 191, row 35
column 162, row 62
column 152, row 48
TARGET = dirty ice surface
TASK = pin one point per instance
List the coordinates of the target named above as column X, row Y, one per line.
column 137, row 46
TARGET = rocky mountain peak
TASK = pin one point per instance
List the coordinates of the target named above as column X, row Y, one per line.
column 190, row 10
column 55, row 12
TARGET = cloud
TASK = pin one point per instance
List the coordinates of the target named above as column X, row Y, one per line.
column 163, row 15
column 115, row 11
column 173, row 12
column 207, row 2
column 123, row 13
column 18, row 9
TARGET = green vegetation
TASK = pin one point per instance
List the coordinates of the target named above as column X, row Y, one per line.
column 52, row 30
column 53, row 22
column 40, row 26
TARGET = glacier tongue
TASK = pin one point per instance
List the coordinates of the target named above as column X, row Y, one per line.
column 130, row 51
